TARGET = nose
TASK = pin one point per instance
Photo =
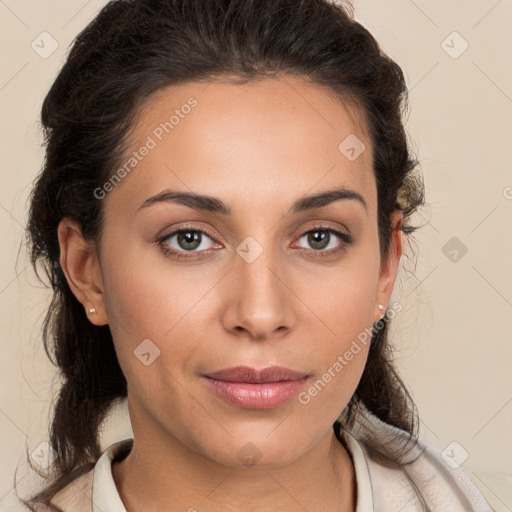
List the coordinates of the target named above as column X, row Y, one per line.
column 259, row 302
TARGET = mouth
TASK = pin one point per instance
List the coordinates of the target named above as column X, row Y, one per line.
column 250, row 388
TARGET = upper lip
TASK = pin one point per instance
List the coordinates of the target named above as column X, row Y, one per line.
column 252, row 375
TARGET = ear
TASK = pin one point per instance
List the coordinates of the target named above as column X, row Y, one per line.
column 81, row 266
column 389, row 266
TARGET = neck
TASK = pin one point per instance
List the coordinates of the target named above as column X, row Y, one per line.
column 162, row 473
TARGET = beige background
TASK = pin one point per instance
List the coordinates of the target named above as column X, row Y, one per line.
column 454, row 334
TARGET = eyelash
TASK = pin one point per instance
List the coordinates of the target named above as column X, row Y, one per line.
column 181, row 255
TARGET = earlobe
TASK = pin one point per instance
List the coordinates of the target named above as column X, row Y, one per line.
column 79, row 262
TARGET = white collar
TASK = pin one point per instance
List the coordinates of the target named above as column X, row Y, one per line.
column 105, row 497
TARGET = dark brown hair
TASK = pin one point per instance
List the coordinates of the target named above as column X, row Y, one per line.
column 128, row 52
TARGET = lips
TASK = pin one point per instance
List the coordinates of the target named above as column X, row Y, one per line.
column 253, row 376
column 249, row 388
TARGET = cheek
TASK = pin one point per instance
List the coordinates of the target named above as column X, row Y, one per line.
column 151, row 300
column 340, row 350
column 340, row 324
column 146, row 294
column 341, row 300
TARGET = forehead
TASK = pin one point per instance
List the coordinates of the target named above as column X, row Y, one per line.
column 272, row 136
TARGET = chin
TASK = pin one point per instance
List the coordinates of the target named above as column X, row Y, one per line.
column 258, row 452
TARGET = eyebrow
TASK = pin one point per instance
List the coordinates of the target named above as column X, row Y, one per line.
column 215, row 205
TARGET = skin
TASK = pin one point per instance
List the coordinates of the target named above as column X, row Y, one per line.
column 258, row 147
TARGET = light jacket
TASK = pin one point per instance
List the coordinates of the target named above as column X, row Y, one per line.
column 431, row 478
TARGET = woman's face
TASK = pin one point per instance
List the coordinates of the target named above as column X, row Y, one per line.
column 256, row 279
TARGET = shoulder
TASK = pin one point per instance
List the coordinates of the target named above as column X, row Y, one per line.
column 429, row 478
column 425, row 478
column 77, row 495
column 96, row 486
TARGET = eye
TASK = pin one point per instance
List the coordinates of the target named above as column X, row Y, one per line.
column 189, row 242
column 321, row 240
column 185, row 240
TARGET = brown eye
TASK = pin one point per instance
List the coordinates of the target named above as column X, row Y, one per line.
column 178, row 243
column 189, row 240
column 319, row 239
column 322, row 239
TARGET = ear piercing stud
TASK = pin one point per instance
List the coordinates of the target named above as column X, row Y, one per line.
column 92, row 311
column 381, row 307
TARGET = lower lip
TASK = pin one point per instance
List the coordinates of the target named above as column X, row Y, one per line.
column 256, row 396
